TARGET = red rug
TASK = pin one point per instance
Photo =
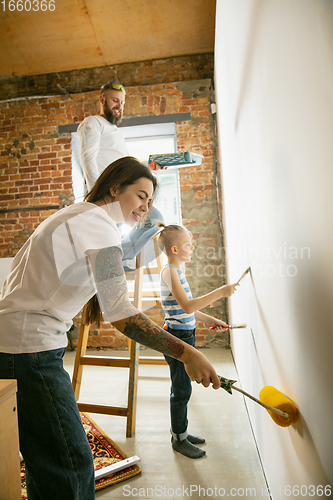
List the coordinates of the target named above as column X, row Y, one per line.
column 105, row 452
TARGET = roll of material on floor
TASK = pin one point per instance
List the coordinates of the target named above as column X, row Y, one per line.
column 272, row 397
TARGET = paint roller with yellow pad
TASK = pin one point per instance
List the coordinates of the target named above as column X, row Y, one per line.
column 282, row 410
column 274, row 398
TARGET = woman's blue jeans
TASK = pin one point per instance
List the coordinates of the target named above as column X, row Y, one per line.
column 181, row 387
column 58, row 459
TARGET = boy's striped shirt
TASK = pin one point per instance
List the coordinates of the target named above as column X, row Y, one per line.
column 175, row 316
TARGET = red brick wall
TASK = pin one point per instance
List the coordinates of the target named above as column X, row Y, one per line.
column 35, row 172
column 35, row 165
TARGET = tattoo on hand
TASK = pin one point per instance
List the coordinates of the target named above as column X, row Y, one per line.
column 108, row 264
column 141, row 329
column 112, row 291
column 110, row 279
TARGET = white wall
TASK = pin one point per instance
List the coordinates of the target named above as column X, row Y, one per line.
column 274, row 87
column 5, row 264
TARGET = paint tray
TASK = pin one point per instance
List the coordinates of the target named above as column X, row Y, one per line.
column 170, row 160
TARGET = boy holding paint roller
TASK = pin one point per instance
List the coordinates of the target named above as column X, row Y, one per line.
column 181, row 313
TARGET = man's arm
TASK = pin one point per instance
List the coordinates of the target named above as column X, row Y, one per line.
column 89, row 135
column 115, row 304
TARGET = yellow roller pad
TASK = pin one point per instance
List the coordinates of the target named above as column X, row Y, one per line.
column 272, row 397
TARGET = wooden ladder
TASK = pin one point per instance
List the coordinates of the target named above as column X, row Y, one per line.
column 132, row 361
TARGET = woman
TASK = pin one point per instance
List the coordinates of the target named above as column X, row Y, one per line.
column 72, row 255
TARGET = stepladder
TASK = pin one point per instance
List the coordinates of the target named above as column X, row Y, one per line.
column 142, row 297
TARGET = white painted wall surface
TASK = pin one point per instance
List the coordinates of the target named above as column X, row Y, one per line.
column 274, row 89
column 5, row 264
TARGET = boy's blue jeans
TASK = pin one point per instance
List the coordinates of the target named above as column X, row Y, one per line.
column 181, row 387
column 58, row 459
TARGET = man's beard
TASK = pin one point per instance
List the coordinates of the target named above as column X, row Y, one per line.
column 110, row 116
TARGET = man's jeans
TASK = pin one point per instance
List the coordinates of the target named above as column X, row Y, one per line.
column 181, row 387
column 54, row 445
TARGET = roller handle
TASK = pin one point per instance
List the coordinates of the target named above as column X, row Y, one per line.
column 274, row 410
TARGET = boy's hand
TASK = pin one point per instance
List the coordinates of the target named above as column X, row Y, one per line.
column 219, row 325
column 228, row 290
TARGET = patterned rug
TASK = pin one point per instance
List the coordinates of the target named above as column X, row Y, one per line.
column 105, row 452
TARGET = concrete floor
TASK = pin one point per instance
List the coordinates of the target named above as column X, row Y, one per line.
column 231, row 466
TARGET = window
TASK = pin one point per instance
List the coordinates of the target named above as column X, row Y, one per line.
column 159, row 138
column 141, row 141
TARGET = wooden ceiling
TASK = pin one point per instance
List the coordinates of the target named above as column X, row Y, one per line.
column 82, row 34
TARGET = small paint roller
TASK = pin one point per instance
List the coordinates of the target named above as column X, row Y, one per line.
column 282, row 410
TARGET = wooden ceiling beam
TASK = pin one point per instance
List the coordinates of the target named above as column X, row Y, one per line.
column 173, row 69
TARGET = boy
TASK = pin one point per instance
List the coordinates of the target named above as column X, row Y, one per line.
column 181, row 312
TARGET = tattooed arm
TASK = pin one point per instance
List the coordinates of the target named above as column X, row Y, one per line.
column 113, row 297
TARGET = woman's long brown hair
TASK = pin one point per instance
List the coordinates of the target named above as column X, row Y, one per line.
column 119, row 174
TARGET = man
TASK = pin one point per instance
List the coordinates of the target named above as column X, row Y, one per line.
column 101, row 143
